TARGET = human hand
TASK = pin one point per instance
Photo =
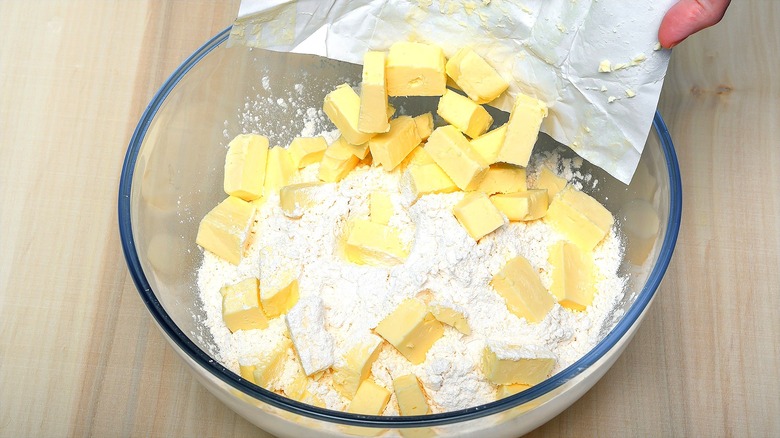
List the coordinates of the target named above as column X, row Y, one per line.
column 687, row 17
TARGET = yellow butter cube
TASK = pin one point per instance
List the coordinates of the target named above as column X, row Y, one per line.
column 380, row 207
column 522, row 206
column 451, row 315
column 271, row 364
column 280, row 169
column 417, row 156
column 475, row 76
column 579, row 217
column 415, row 69
column 489, row 144
column 295, row 199
column 307, row 150
column 342, row 106
column 279, row 294
column 505, row 391
column 503, row 178
column 226, row 229
column 247, row 371
column 453, row 153
column 424, row 125
column 298, row 387
column 548, row 180
column 373, row 94
column 241, row 306
column 370, row 399
column 360, row 150
column 410, row 395
column 390, row 148
column 507, row 364
column 356, row 366
column 298, row 390
column 245, row 166
column 370, row 243
column 412, row 329
column 337, row 161
column 426, row 179
column 572, row 276
column 478, row 215
column 519, row 284
column 522, row 130
column 461, row 112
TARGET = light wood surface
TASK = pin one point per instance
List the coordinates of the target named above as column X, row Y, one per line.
column 79, row 354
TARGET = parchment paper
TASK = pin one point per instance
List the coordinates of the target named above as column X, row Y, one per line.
column 550, row 49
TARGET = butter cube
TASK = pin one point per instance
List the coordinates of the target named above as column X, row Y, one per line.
column 380, row 207
column 489, row 144
column 295, row 199
column 503, row 178
column 247, row 371
column 356, row 366
column 426, row 179
column 279, row 294
column 271, row 364
column 373, row 94
column 453, row 153
column 548, row 180
column 478, row 215
column 359, row 150
column 572, row 278
column 522, row 206
column 424, row 125
column 337, row 161
column 298, row 387
column 390, row 148
column 519, row 284
column 245, row 166
column 506, row 364
column 460, row 111
column 505, row 391
column 417, row 156
column 411, row 329
column 410, row 395
column 522, row 130
column 307, row 150
column 370, row 399
column 370, row 243
column 475, row 76
column 452, row 315
column 342, row 106
column 280, row 169
column 226, row 229
column 241, row 307
column 312, row 342
column 415, row 69
column 579, row 217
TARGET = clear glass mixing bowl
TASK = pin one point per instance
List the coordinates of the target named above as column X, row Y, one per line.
column 172, row 176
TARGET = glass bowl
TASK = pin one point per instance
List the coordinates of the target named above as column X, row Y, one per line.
column 172, row 176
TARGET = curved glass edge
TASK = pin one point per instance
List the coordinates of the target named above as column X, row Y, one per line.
column 230, row 378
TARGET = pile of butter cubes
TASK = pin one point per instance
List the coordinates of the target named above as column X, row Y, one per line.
column 461, row 156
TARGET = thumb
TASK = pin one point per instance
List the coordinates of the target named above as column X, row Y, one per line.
column 687, row 17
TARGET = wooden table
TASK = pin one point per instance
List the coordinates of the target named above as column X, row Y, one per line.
column 79, row 354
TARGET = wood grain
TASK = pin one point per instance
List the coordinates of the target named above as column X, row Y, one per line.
column 80, row 356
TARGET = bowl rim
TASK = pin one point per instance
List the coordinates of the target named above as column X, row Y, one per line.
column 176, row 335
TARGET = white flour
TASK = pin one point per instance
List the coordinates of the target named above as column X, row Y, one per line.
column 443, row 260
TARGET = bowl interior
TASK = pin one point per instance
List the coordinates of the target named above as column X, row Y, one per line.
column 173, row 177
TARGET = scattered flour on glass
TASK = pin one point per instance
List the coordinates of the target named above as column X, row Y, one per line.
column 443, row 260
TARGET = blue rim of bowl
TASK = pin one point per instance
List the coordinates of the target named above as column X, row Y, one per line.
column 225, row 375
